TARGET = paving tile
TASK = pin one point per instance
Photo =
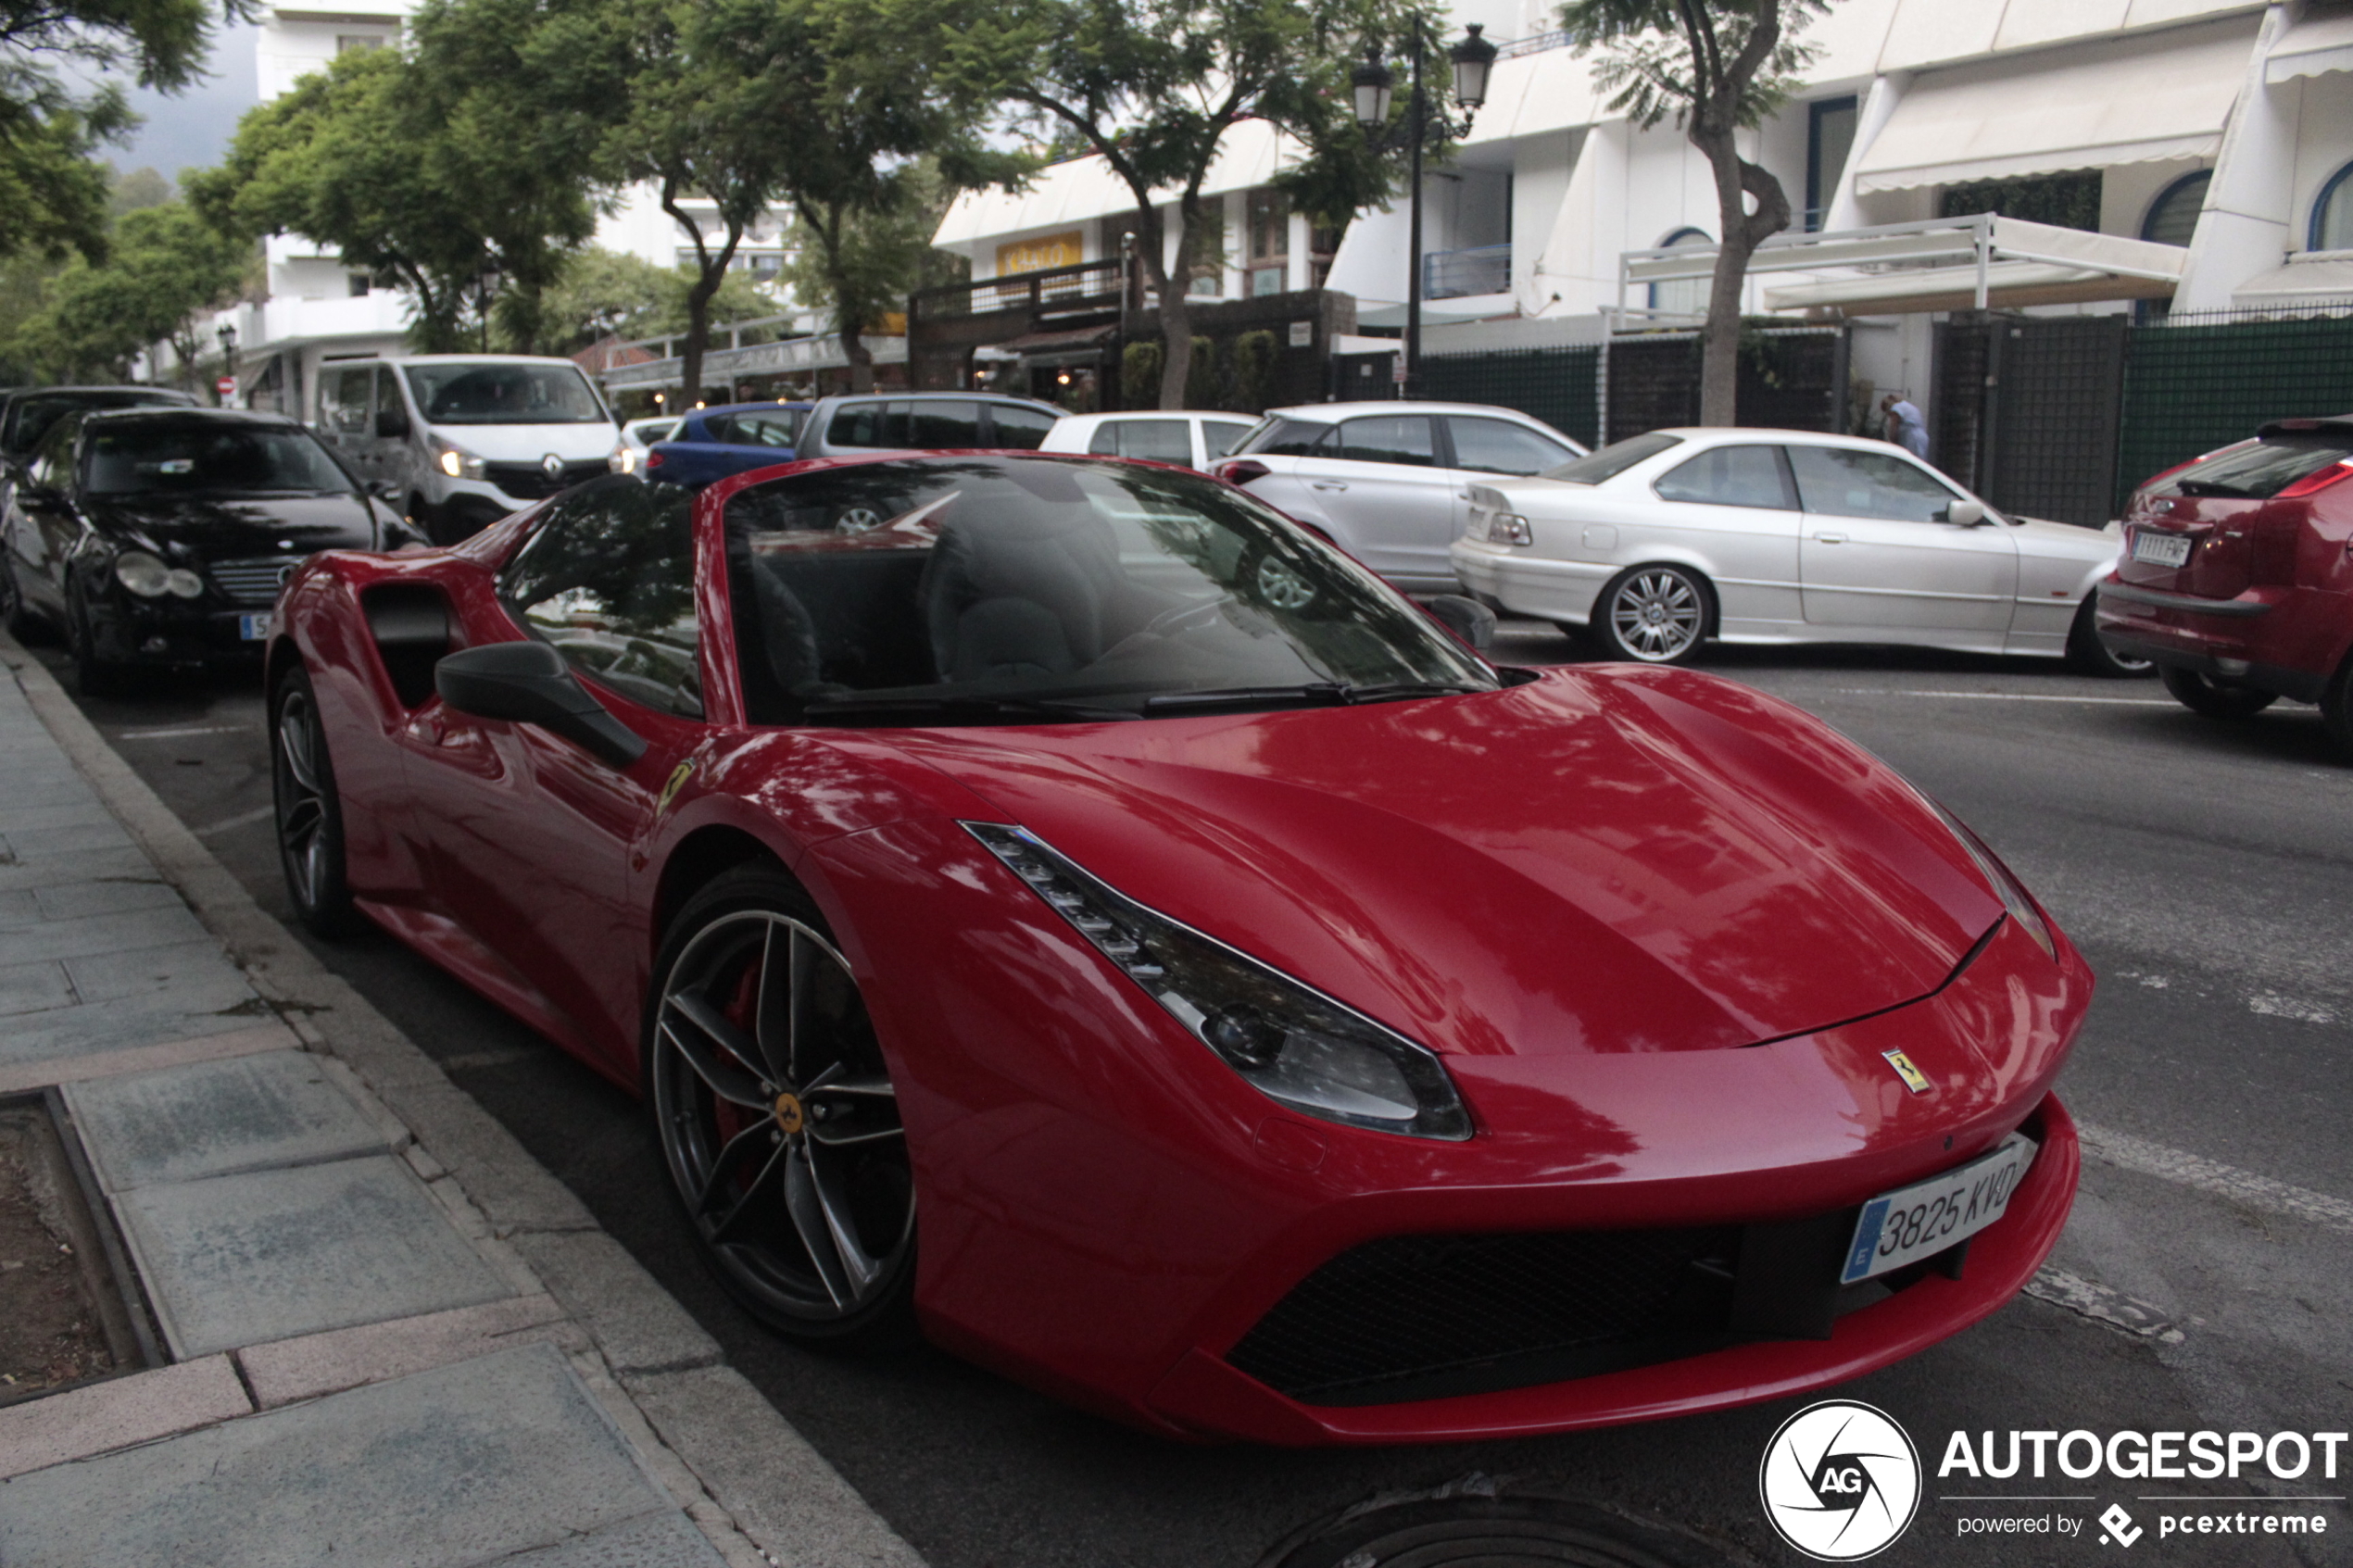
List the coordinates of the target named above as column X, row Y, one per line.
column 216, row 1119
column 235, row 1260
column 126, row 931
column 131, row 1022
column 35, row 987
column 118, row 1412
column 74, row 900
column 269, row 1035
column 107, row 835
column 451, row 1468
column 194, row 972
column 54, row 786
column 24, row 821
column 123, row 862
column 287, row 1370
column 653, row 1540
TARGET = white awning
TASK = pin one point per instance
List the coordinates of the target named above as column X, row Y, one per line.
column 2324, row 275
column 2312, row 47
column 2129, row 100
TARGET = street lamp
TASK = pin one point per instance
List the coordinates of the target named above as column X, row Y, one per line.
column 1370, row 84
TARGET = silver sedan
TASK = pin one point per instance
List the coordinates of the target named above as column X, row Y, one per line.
column 1658, row 543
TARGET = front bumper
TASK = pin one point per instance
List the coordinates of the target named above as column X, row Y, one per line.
column 172, row 631
column 2283, row 640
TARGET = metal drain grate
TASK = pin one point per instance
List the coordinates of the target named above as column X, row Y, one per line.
column 1493, row 1532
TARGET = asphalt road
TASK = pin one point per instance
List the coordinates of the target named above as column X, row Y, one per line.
column 2203, row 869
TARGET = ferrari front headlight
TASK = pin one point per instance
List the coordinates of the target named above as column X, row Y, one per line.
column 1290, row 1042
column 2013, row 895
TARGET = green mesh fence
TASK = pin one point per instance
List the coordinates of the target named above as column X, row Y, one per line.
column 1556, row 385
column 2191, row 387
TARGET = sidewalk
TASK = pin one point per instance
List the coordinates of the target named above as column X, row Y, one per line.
column 392, row 1337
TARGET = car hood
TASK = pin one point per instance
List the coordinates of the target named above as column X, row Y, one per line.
column 2064, row 541
column 574, row 443
column 209, row 526
column 1601, row 861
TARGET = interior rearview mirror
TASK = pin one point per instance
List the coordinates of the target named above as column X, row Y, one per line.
column 1965, row 514
column 1466, row 617
column 530, row 683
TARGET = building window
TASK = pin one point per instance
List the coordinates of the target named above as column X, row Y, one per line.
column 1323, row 243
column 1269, row 251
column 1684, row 296
column 2064, row 201
column 1830, row 136
column 347, row 42
column 1208, row 276
column 2333, row 214
column 359, row 283
column 2172, row 216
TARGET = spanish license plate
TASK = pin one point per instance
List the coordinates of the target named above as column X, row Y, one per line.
column 2162, row 549
column 1913, row 1223
column 253, row 628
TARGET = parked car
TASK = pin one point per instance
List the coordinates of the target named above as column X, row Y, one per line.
column 636, row 437
column 963, row 855
column 1656, row 544
column 26, row 413
column 713, row 443
column 464, row 439
column 909, row 421
column 156, row 538
column 1390, row 481
column 2237, row 575
column 1191, row 440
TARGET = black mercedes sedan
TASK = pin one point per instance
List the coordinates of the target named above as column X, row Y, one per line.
column 157, row 538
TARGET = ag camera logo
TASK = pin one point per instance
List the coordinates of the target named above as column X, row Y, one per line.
column 1841, row 1481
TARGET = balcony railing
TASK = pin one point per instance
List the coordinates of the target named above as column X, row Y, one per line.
column 1090, row 283
column 1455, row 274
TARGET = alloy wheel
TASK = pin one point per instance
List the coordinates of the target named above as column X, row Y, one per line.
column 303, row 839
column 1657, row 615
column 780, row 1122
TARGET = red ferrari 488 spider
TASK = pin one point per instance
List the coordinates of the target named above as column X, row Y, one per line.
column 1068, row 902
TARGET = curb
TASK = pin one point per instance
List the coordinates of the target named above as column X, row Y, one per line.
column 751, row 1482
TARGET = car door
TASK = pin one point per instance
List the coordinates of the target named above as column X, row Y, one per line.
column 1877, row 551
column 1485, row 446
column 391, row 426
column 346, row 396
column 43, row 528
column 527, row 839
column 1389, row 502
column 1732, row 511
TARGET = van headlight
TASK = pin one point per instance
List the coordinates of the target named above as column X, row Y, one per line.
column 455, row 461
column 1291, row 1043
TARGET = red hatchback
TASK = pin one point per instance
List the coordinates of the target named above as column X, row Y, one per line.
column 2237, row 575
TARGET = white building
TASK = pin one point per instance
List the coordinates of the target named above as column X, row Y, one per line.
column 2211, row 141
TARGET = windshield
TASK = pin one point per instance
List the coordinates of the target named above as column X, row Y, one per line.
column 35, row 415
column 492, row 393
column 204, row 457
column 993, row 590
column 2259, row 470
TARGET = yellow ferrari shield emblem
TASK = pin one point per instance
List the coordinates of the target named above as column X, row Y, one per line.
column 1914, row 1079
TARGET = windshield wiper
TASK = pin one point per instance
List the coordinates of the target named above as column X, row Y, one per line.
column 852, row 707
column 1310, row 694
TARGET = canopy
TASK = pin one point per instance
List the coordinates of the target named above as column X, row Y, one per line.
column 2128, row 100
column 2312, row 47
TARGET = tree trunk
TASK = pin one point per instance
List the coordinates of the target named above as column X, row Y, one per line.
column 710, row 271
column 1175, row 306
column 1736, row 181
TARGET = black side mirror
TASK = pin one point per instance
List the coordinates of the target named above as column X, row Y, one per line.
column 392, row 423
column 530, row 683
column 1466, row 617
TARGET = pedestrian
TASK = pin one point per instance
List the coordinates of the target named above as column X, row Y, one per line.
column 1901, row 418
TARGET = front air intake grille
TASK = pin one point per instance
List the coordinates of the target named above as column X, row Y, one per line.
column 1427, row 1316
column 528, row 482
column 254, row 581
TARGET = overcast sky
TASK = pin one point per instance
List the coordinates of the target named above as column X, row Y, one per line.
column 191, row 130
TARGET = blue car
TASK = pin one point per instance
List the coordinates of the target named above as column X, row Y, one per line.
column 711, row 444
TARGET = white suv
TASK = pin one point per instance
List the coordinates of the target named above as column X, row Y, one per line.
column 1390, row 481
column 461, row 439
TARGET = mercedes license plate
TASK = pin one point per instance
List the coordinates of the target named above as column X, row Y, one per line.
column 2162, row 549
column 253, row 628
column 1912, row 1223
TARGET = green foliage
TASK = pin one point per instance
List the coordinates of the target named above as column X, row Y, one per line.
column 601, row 294
column 141, row 187
column 1204, row 380
column 164, row 268
column 53, row 193
column 1254, row 357
column 2067, row 201
column 1139, row 374
column 1665, row 58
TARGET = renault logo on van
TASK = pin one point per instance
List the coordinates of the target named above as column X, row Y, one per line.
column 552, row 466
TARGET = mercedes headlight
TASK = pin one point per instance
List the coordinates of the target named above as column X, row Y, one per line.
column 144, row 574
column 1293, row 1044
column 2013, row 895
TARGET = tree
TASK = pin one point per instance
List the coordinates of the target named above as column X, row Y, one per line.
column 53, row 193
column 862, row 259
column 1152, row 88
column 1716, row 66
column 166, row 269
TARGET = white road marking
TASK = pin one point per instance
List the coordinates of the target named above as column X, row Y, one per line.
column 2270, row 1003
column 242, row 819
column 2006, row 696
column 2102, row 1305
column 194, row 730
column 2129, row 1153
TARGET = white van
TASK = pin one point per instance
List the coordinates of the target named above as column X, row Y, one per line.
column 461, row 439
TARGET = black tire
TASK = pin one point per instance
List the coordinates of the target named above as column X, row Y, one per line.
column 2213, row 698
column 309, row 810
column 1656, row 614
column 2336, row 710
column 812, row 1232
column 2089, row 656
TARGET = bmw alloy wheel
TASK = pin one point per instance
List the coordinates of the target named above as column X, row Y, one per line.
column 780, row 1124
column 1656, row 615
